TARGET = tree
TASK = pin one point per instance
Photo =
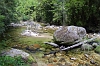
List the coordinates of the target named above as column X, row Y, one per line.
column 84, row 13
column 7, row 14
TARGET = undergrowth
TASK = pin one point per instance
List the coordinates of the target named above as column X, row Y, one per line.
column 12, row 61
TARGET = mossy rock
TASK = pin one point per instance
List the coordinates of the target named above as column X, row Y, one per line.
column 86, row 47
column 97, row 40
column 97, row 49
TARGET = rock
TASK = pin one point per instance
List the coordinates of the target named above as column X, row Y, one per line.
column 42, row 49
column 96, row 58
column 54, row 60
column 69, row 34
column 29, row 33
column 92, row 61
column 87, row 64
column 16, row 52
column 95, row 45
column 80, row 64
column 53, row 27
column 73, row 58
column 86, row 47
column 62, row 60
column 65, row 64
column 86, row 55
column 15, row 25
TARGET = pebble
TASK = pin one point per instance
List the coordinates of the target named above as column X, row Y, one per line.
column 62, row 60
column 65, row 64
column 73, row 58
column 92, row 61
column 54, row 60
column 86, row 55
column 42, row 49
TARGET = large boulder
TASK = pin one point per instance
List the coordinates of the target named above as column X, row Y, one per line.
column 69, row 34
column 16, row 52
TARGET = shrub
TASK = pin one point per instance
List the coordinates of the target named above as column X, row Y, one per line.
column 11, row 61
column 25, row 18
column 97, row 40
column 97, row 49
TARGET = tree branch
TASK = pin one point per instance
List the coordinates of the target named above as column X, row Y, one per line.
column 78, row 44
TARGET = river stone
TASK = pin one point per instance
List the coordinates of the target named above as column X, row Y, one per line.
column 15, row 52
column 69, row 34
column 95, row 45
column 86, row 47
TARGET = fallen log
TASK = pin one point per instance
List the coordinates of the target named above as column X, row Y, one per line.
column 70, row 47
column 78, row 44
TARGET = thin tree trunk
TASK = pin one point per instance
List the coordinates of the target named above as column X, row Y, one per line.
column 70, row 47
column 78, row 44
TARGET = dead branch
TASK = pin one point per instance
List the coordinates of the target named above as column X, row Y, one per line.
column 50, row 43
column 78, row 44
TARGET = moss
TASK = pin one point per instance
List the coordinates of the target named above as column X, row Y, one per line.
column 97, row 40
column 97, row 49
column 49, row 30
column 12, row 61
column 31, row 59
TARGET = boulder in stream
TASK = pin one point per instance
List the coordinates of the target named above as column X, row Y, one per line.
column 69, row 34
column 16, row 52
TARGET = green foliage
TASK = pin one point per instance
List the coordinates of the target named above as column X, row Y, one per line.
column 12, row 61
column 2, row 29
column 62, row 12
column 43, row 45
column 58, row 12
column 84, row 13
column 31, row 59
column 97, row 40
column 7, row 14
column 97, row 49
column 4, row 44
column 25, row 8
column 25, row 18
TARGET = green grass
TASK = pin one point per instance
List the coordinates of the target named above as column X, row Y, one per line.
column 13, row 37
column 32, row 40
column 12, row 61
column 97, row 49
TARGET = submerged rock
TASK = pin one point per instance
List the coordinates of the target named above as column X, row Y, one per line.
column 69, row 34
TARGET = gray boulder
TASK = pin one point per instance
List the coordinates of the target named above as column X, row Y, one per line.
column 15, row 52
column 69, row 34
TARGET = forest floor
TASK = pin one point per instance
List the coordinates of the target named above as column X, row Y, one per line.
column 46, row 55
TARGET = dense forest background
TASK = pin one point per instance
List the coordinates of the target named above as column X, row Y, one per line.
column 85, row 13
